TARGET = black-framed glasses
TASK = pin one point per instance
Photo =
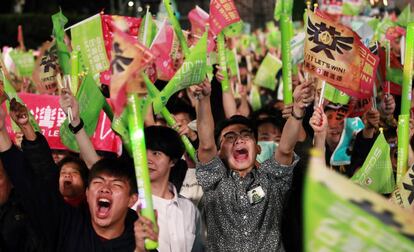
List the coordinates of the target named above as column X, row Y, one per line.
column 231, row 137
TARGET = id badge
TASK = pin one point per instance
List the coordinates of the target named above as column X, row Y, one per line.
column 256, row 195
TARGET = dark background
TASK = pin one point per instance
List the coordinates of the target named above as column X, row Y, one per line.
column 34, row 15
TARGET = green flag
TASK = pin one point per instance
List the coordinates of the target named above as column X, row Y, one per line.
column 351, row 9
column 405, row 16
column 334, row 95
column 255, row 99
column 278, row 10
column 11, row 93
column 24, row 62
column 273, row 39
column 341, row 216
column 176, row 26
column 87, row 38
column 394, row 75
column 147, row 30
column 192, row 71
column 91, row 102
column 376, row 173
column 266, row 74
column 59, row 21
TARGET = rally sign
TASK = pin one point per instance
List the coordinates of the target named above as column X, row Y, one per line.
column 24, row 62
column 334, row 53
column 222, row 14
column 87, row 37
column 49, row 116
column 342, row 216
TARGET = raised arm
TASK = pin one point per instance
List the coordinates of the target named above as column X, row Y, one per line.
column 86, row 148
column 319, row 124
column 207, row 149
column 229, row 103
column 303, row 95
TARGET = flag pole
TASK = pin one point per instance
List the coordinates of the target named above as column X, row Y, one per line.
column 177, row 28
column 286, row 57
column 135, row 106
column 403, row 119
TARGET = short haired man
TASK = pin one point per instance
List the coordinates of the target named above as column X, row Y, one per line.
column 244, row 200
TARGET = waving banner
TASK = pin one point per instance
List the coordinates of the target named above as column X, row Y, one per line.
column 334, row 53
column 49, row 116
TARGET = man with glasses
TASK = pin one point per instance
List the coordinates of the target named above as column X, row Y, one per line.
column 244, row 200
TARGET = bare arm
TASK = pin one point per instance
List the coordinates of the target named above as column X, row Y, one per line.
column 319, row 124
column 205, row 124
column 86, row 148
column 229, row 103
column 291, row 130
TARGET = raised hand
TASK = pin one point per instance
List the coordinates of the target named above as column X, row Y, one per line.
column 19, row 113
column 372, row 118
column 66, row 101
column 388, row 106
column 319, row 121
column 202, row 90
column 144, row 229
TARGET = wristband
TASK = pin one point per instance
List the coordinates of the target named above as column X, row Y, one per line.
column 296, row 116
column 76, row 129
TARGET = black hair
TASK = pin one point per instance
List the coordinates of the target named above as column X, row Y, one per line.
column 180, row 106
column 80, row 166
column 115, row 167
column 236, row 119
column 164, row 139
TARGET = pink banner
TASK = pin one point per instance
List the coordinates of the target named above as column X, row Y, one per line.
column 48, row 114
column 222, row 13
column 108, row 30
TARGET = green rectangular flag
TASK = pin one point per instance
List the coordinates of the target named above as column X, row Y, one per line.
column 192, row 71
column 59, row 21
column 341, row 216
column 266, row 74
column 232, row 62
column 87, row 38
column 394, row 75
column 24, row 62
column 376, row 173
column 91, row 102
column 334, row 95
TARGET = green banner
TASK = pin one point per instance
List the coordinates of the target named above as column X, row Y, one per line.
column 286, row 29
column 232, row 62
column 87, row 38
column 341, row 216
column 59, row 21
column 335, row 96
column 24, row 62
column 394, row 75
column 376, row 173
column 192, row 71
column 120, row 126
column 266, row 74
column 255, row 99
column 91, row 102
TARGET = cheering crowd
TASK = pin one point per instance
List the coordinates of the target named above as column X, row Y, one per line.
column 242, row 190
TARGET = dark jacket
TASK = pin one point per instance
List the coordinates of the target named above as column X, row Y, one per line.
column 66, row 228
column 16, row 231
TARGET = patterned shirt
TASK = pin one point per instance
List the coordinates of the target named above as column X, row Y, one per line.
column 235, row 224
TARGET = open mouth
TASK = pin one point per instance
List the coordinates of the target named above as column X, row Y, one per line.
column 104, row 207
column 67, row 183
column 240, row 154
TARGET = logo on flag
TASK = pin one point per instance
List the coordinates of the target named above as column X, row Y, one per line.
column 328, row 39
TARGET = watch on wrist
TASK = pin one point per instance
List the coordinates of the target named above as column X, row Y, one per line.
column 296, row 116
column 76, row 129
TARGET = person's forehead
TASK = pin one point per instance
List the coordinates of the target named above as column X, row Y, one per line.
column 234, row 127
column 267, row 126
column 110, row 178
column 182, row 116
